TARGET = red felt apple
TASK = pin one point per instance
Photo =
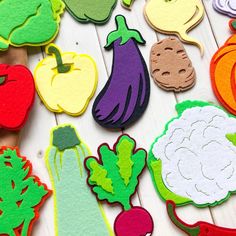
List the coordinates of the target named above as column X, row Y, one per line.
column 17, row 92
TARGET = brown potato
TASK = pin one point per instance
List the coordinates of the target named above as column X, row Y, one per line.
column 171, row 67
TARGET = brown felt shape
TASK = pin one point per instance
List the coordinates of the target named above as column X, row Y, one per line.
column 171, row 67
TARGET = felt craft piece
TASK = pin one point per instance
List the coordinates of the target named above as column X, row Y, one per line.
column 222, row 71
column 227, row 7
column 114, row 178
column 127, row 3
column 171, row 67
column 175, row 17
column 200, row 228
column 193, row 160
column 21, row 194
column 29, row 22
column 125, row 96
column 66, row 81
column 95, row 11
column 17, row 94
column 75, row 208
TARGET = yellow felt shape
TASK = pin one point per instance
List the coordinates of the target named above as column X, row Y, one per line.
column 175, row 17
column 66, row 82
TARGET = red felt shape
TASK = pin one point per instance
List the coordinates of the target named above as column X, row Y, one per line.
column 198, row 229
column 17, row 93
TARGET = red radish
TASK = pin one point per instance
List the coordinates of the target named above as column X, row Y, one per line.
column 114, row 177
column 134, row 222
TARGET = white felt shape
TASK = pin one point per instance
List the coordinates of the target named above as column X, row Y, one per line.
column 198, row 161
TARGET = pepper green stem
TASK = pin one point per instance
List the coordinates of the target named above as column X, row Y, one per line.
column 188, row 229
column 123, row 33
column 65, row 138
column 61, row 68
column 2, row 79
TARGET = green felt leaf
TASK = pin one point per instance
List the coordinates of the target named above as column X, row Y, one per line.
column 96, row 11
column 29, row 22
column 20, row 193
column 99, row 176
column 123, row 165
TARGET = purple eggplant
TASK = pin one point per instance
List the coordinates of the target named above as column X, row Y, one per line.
column 126, row 94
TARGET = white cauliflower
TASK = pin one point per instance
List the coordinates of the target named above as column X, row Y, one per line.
column 198, row 161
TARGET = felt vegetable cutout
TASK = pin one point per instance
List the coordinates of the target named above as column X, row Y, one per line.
column 96, row 11
column 127, row 3
column 29, row 22
column 76, row 210
column 21, row 194
column 227, row 7
column 175, row 17
column 222, row 71
column 171, row 67
column 193, row 160
column 17, row 94
column 114, row 178
column 198, row 229
column 126, row 94
column 66, row 81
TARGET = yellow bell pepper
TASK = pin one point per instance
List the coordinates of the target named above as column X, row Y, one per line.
column 66, row 82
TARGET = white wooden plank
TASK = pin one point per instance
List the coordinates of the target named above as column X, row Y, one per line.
column 34, row 141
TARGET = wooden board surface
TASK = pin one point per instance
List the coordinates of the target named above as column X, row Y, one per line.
column 90, row 39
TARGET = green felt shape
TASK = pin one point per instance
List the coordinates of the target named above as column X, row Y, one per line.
column 21, row 194
column 121, row 168
column 61, row 68
column 124, row 33
column 127, row 3
column 29, row 22
column 77, row 211
column 155, row 164
column 231, row 138
column 95, row 11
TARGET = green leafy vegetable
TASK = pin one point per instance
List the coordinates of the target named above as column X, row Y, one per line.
column 29, row 22
column 21, row 194
column 115, row 179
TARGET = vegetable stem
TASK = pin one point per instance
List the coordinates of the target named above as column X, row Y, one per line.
column 2, row 79
column 61, row 68
column 123, row 33
column 188, row 229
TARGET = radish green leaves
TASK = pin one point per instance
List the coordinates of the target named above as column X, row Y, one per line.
column 115, row 178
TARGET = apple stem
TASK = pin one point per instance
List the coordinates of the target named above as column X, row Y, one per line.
column 2, row 79
column 61, row 68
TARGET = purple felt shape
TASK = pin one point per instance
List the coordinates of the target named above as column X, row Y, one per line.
column 227, row 7
column 126, row 94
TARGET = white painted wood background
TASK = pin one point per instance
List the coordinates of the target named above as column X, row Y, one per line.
column 90, row 39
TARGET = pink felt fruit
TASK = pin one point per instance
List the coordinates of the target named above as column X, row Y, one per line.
column 134, row 222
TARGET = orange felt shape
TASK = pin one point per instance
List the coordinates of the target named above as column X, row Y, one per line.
column 223, row 72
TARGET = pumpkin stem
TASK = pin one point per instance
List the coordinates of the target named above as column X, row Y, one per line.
column 2, row 79
column 61, row 68
column 232, row 25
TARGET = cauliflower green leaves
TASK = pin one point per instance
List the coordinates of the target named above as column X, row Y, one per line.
column 115, row 176
column 29, row 22
column 96, row 11
column 194, row 160
column 21, row 194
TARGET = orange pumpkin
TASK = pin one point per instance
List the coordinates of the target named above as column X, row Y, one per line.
column 223, row 73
